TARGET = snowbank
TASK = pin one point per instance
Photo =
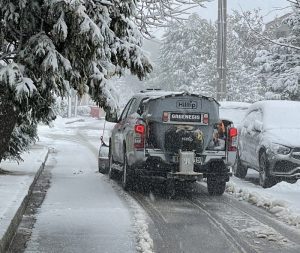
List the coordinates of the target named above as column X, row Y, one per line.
column 280, row 200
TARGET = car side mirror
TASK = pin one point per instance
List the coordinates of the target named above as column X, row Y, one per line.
column 257, row 126
column 139, row 111
column 111, row 116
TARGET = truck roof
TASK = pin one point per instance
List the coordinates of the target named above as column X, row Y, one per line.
column 157, row 94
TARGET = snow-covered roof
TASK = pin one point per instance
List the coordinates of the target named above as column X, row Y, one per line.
column 152, row 95
column 279, row 113
column 234, row 105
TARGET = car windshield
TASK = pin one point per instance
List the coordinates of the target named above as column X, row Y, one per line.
column 282, row 115
column 236, row 115
column 234, row 111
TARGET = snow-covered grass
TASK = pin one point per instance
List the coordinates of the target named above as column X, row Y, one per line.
column 282, row 200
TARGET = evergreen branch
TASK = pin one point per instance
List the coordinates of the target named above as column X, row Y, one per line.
column 295, row 2
column 6, row 56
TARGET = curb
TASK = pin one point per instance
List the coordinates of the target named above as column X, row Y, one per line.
column 15, row 222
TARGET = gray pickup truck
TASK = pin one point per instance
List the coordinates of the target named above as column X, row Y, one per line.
column 171, row 136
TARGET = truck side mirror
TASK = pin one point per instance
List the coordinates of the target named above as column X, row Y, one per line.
column 111, row 116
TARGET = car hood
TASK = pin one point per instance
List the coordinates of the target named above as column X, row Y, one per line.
column 284, row 136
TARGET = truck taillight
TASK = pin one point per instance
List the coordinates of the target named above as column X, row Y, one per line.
column 232, row 142
column 165, row 117
column 205, row 118
column 139, row 137
column 139, row 129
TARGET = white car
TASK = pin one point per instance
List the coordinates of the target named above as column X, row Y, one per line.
column 233, row 111
column 269, row 142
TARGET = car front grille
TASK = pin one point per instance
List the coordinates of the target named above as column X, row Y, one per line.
column 286, row 167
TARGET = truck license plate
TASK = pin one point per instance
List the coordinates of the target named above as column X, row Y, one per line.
column 197, row 160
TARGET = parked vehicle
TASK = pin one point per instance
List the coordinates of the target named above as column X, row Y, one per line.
column 168, row 136
column 234, row 111
column 270, row 142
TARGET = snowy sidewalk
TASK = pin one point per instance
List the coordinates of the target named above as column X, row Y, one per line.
column 15, row 188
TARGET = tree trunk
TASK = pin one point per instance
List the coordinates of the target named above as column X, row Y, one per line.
column 8, row 120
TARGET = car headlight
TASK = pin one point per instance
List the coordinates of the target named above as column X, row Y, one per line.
column 280, row 149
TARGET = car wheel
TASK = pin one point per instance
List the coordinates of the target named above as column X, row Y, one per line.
column 126, row 176
column 215, row 187
column 111, row 171
column 265, row 179
column 239, row 170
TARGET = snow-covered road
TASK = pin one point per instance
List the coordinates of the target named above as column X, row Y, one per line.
column 84, row 211
column 81, row 209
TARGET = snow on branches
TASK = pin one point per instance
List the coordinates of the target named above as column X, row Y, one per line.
column 48, row 47
column 280, row 64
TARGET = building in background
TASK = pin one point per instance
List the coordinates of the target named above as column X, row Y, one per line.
column 276, row 28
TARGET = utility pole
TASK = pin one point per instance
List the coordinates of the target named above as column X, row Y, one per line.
column 221, row 49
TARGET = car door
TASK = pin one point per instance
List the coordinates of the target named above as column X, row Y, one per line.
column 254, row 141
column 117, row 138
column 126, row 131
column 245, row 138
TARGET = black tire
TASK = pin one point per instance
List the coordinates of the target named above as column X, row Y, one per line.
column 111, row 171
column 265, row 179
column 127, row 179
column 239, row 170
column 215, row 187
column 170, row 188
column 102, row 169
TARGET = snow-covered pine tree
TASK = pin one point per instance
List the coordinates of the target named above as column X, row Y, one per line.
column 188, row 56
column 49, row 46
column 189, row 61
column 280, row 64
column 242, row 81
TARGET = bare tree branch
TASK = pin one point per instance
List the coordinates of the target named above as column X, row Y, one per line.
column 157, row 13
column 267, row 38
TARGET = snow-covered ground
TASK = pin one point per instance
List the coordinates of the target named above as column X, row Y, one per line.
column 15, row 183
column 91, row 129
column 282, row 199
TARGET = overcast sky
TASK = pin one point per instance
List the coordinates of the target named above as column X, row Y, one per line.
column 269, row 8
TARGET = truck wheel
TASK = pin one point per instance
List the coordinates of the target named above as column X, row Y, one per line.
column 265, row 179
column 170, row 188
column 126, row 176
column 101, row 166
column 215, row 187
column 111, row 171
column 239, row 170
